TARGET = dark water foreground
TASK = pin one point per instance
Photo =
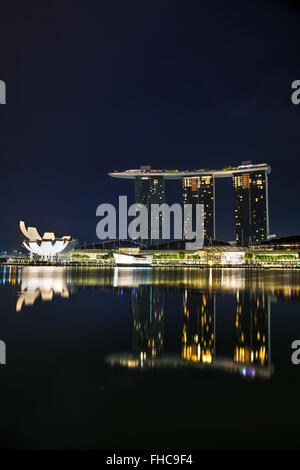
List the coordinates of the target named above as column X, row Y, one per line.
column 148, row 359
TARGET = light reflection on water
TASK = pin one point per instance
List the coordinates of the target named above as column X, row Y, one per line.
column 253, row 293
column 281, row 283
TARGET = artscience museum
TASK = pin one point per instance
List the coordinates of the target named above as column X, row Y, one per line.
column 48, row 246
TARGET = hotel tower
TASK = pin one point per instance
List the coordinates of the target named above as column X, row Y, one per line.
column 250, row 196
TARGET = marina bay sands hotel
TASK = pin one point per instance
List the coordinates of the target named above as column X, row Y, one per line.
column 250, row 191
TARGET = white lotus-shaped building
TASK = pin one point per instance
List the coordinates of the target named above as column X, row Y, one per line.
column 48, row 246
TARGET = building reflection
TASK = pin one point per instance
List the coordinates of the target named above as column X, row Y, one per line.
column 252, row 332
column 252, row 325
column 250, row 353
column 40, row 282
column 198, row 336
column 148, row 322
column 283, row 284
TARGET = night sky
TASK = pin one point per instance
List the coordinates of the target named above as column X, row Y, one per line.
column 94, row 86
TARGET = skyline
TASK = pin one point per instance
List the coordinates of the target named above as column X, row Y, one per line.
column 150, row 234
column 98, row 87
column 250, row 189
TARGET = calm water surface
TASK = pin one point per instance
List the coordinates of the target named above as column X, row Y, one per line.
column 147, row 359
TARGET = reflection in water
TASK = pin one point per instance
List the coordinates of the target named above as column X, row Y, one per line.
column 148, row 322
column 278, row 283
column 252, row 328
column 198, row 337
column 40, row 282
column 252, row 290
column 252, row 346
column 252, row 349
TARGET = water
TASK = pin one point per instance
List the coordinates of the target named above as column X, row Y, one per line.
column 148, row 359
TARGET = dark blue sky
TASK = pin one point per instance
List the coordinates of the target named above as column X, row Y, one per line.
column 94, row 86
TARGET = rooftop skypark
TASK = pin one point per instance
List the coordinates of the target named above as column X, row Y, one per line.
column 227, row 171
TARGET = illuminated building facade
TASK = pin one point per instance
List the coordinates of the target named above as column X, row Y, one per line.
column 148, row 322
column 46, row 247
column 201, row 190
column 198, row 336
column 252, row 329
column 250, row 185
column 251, row 213
column 150, row 190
